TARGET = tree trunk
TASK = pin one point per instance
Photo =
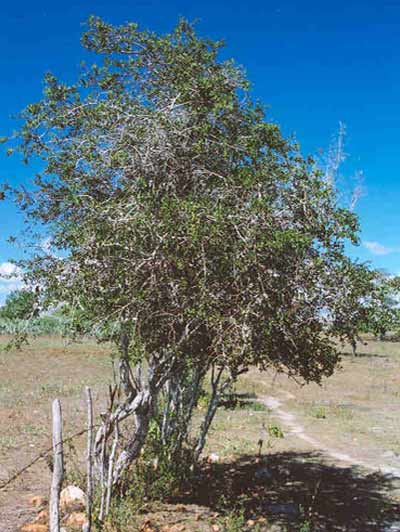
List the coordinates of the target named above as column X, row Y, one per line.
column 136, row 441
column 140, row 408
column 354, row 347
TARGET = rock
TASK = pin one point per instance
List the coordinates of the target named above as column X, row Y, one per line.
column 76, row 519
column 213, row 458
column 35, row 527
column 250, row 522
column 72, row 498
column 37, row 501
column 215, row 528
column 42, row 517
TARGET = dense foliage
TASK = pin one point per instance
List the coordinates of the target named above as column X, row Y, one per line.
column 383, row 311
column 19, row 305
column 183, row 223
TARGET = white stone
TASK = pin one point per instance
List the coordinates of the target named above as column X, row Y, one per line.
column 72, row 496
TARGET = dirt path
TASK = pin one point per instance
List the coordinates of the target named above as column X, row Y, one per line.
column 294, row 427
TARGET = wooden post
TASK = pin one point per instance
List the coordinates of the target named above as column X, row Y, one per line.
column 111, row 468
column 89, row 485
column 58, row 468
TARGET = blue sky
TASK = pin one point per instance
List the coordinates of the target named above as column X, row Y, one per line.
column 314, row 63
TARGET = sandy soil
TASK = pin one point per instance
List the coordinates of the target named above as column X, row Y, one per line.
column 343, row 436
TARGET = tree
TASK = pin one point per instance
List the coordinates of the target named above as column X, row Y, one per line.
column 355, row 303
column 383, row 309
column 370, row 305
column 189, row 230
column 19, row 305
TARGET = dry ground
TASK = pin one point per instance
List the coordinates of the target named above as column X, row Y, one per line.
column 294, row 484
column 356, row 411
column 29, row 380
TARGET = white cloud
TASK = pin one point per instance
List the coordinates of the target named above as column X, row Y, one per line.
column 379, row 249
column 45, row 244
column 8, row 269
column 10, row 279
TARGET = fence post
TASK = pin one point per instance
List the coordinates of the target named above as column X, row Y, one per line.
column 58, row 467
column 89, row 466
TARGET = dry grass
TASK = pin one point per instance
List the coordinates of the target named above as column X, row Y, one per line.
column 355, row 411
column 29, row 380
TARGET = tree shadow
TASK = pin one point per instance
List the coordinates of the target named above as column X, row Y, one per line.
column 360, row 354
column 290, row 488
column 233, row 400
column 394, row 339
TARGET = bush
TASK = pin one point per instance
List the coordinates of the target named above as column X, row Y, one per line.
column 44, row 325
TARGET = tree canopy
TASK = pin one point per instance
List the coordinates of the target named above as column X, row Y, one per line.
column 19, row 305
column 383, row 312
column 181, row 220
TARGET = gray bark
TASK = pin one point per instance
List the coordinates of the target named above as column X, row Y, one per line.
column 217, row 389
column 58, row 468
column 134, row 445
column 89, row 485
column 111, row 468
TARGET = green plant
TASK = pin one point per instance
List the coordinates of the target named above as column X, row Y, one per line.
column 275, row 431
column 383, row 313
column 233, row 521
column 306, row 526
column 7, row 442
column 203, row 399
column 33, row 430
column 19, row 305
column 234, row 515
column 73, row 472
column 255, row 406
column 163, row 470
column 124, row 513
column 319, row 412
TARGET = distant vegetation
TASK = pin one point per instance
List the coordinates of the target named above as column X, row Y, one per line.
column 20, row 315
